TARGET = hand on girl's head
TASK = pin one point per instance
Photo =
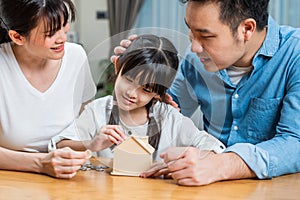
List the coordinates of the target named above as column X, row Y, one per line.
column 169, row 100
column 127, row 42
column 124, row 44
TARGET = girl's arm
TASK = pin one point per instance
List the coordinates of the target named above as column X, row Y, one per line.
column 61, row 163
column 189, row 135
column 83, row 105
column 106, row 136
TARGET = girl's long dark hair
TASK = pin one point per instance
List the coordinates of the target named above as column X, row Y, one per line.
column 154, row 62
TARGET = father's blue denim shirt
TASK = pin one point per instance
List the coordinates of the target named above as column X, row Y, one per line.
column 259, row 119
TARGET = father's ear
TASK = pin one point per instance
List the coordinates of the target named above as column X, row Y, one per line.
column 249, row 27
column 16, row 37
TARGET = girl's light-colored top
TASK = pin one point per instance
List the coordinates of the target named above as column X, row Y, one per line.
column 176, row 130
column 28, row 117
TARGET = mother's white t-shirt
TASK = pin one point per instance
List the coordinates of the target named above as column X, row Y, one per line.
column 28, row 117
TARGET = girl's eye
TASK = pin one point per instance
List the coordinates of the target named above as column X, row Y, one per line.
column 47, row 34
column 147, row 90
column 128, row 79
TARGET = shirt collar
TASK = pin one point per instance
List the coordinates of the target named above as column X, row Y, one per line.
column 271, row 42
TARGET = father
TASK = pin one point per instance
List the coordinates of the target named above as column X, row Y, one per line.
column 244, row 72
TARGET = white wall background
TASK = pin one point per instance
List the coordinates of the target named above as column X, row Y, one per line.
column 158, row 13
column 93, row 33
column 90, row 30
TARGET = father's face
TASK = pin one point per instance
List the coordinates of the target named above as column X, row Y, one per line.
column 212, row 40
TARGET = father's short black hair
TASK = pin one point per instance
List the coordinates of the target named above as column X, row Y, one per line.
column 233, row 12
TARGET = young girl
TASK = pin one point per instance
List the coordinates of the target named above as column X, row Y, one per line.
column 144, row 73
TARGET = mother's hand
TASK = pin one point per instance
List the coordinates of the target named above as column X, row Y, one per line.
column 63, row 163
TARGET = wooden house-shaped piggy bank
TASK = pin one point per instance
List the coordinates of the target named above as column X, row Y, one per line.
column 132, row 157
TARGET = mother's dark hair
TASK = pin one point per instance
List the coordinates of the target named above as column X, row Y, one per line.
column 24, row 15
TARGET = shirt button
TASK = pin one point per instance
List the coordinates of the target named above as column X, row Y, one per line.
column 235, row 128
column 236, row 96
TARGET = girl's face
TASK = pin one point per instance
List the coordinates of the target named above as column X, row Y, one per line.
column 130, row 95
column 46, row 47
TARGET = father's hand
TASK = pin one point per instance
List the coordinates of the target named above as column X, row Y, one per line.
column 124, row 44
column 169, row 100
column 193, row 167
column 159, row 169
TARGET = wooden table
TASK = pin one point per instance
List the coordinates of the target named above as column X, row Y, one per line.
column 91, row 184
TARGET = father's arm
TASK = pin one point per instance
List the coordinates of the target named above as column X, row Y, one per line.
column 193, row 167
column 267, row 159
column 281, row 154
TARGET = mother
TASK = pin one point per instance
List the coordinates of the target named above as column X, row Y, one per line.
column 44, row 84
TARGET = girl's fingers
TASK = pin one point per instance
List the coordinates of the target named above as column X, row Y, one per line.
column 115, row 131
column 114, row 134
column 113, row 140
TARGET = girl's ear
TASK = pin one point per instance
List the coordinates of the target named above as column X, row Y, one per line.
column 16, row 37
column 116, row 65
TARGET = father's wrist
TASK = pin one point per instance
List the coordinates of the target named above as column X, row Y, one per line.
column 234, row 167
